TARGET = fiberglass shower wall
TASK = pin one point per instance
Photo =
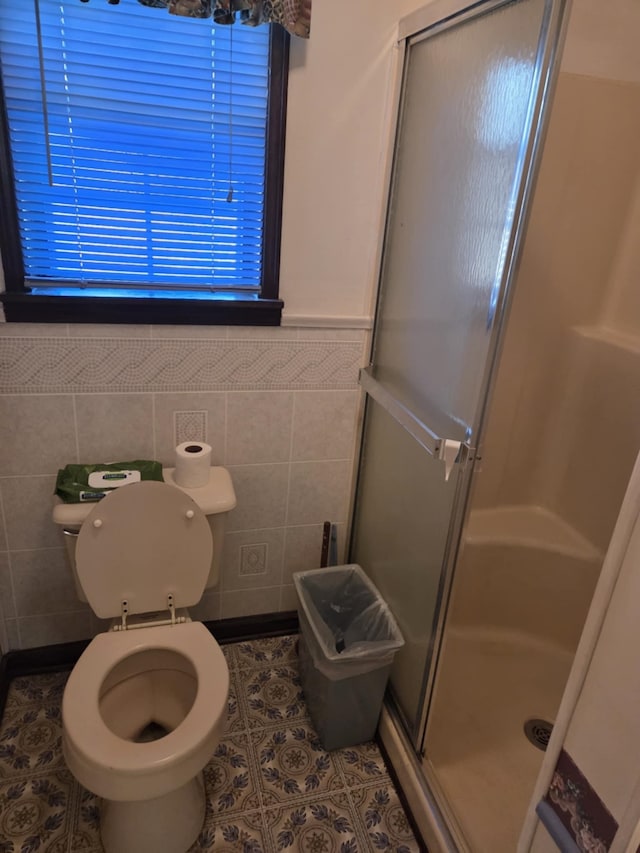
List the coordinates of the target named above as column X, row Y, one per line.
column 561, row 438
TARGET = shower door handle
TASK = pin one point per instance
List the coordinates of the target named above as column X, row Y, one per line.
column 449, row 450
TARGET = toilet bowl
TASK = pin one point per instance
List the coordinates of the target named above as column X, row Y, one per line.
column 146, row 703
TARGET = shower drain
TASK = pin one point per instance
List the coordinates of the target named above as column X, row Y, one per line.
column 538, row 732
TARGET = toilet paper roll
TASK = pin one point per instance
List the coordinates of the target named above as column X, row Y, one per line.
column 193, row 460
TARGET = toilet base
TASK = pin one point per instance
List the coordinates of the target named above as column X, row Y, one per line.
column 170, row 823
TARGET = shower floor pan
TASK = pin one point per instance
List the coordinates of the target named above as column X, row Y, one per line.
column 476, row 745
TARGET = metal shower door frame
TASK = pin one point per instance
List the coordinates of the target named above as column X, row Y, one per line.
column 427, row 22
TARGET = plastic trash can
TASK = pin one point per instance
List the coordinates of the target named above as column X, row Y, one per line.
column 348, row 639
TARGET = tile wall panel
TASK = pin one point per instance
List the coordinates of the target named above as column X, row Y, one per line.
column 237, row 603
column 114, row 427
column 42, row 583
column 100, row 365
column 53, row 628
column 7, row 604
column 261, row 491
column 288, row 597
column 318, row 491
column 207, row 608
column 36, row 432
column 11, row 634
column 303, row 545
column 3, row 532
column 27, row 512
column 259, row 426
column 324, row 424
column 238, row 545
column 279, row 407
column 214, row 407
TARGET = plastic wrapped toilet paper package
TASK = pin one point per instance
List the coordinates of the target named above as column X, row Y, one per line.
column 82, row 483
column 193, row 461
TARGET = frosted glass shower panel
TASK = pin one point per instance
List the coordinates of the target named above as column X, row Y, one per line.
column 465, row 113
column 401, row 524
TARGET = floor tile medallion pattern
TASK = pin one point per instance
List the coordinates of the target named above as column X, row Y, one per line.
column 270, row 785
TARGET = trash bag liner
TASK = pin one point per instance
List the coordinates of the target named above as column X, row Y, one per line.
column 347, row 644
column 341, row 605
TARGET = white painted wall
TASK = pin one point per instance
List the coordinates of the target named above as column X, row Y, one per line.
column 336, row 145
column 337, row 135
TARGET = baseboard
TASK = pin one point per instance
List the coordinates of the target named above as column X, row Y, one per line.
column 61, row 656
column 253, row 627
column 55, row 658
column 42, row 659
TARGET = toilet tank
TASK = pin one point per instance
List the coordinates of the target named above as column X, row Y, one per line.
column 215, row 500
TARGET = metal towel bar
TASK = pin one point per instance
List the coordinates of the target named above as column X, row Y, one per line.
column 435, row 445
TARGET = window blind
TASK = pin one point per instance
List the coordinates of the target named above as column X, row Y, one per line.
column 138, row 145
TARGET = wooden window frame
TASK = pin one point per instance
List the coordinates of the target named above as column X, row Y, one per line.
column 23, row 306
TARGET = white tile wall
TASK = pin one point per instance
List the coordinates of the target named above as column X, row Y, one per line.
column 303, row 546
column 111, row 427
column 3, row 530
column 259, row 426
column 318, row 491
column 207, row 608
column 280, row 410
column 218, row 333
column 261, row 492
column 165, row 405
column 12, row 635
column 190, row 426
column 36, row 432
column 232, row 578
column 54, row 628
column 27, row 512
column 6, row 588
column 288, row 598
column 103, row 330
column 324, row 425
column 250, row 602
column 42, row 583
column 120, row 365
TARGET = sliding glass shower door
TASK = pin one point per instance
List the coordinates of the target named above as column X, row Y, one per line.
column 471, row 104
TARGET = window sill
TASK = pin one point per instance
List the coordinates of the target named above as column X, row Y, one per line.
column 35, row 308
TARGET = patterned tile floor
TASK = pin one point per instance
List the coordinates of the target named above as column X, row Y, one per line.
column 270, row 785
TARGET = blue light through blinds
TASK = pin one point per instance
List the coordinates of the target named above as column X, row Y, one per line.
column 123, row 169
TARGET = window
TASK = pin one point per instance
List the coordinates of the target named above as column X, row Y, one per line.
column 141, row 165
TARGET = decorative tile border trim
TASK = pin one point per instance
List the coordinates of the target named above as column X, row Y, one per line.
column 573, row 805
column 38, row 365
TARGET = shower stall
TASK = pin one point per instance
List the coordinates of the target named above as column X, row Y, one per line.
column 500, row 428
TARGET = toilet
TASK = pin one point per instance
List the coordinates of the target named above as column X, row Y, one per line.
column 146, row 703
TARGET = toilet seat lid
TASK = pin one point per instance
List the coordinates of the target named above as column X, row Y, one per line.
column 141, row 543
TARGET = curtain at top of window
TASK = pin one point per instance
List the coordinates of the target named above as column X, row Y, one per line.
column 293, row 15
